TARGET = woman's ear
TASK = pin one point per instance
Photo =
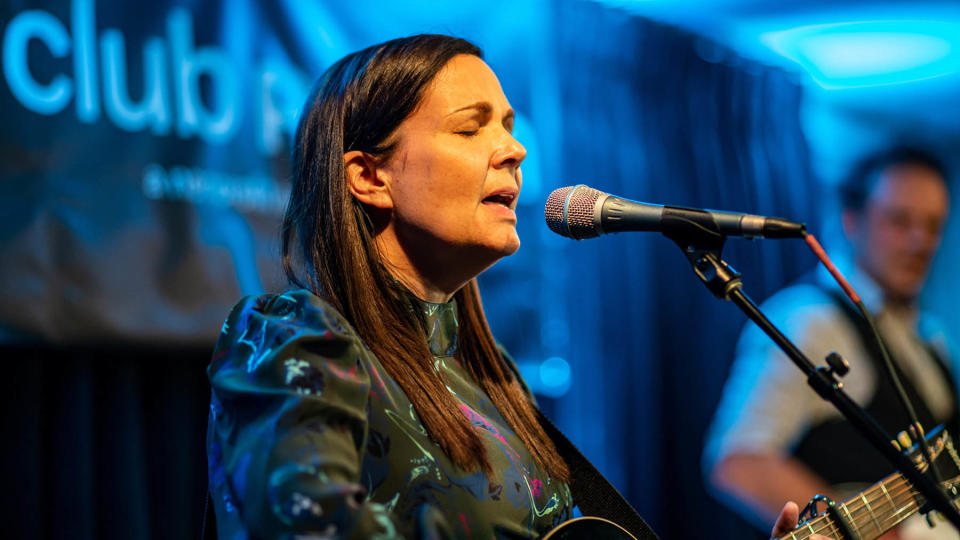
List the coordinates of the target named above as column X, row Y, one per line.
column 368, row 183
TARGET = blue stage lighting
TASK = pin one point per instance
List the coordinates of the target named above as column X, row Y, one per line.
column 555, row 376
column 871, row 53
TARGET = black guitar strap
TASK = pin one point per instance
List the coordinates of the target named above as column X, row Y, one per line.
column 593, row 493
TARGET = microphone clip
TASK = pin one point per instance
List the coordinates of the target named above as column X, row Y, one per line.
column 702, row 242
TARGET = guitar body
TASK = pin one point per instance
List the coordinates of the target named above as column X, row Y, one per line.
column 591, row 528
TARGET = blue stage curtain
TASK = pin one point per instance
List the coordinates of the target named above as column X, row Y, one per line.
column 103, row 442
column 653, row 113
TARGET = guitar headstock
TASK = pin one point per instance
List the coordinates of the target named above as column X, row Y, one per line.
column 945, row 457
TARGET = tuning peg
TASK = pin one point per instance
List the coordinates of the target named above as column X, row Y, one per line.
column 930, row 518
column 904, row 439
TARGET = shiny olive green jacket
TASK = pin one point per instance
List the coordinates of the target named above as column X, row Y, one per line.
column 309, row 437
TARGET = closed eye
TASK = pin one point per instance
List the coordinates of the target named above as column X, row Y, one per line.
column 469, row 126
column 469, row 120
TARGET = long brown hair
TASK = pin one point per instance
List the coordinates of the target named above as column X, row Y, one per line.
column 329, row 235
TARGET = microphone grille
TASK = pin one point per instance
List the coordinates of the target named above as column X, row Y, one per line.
column 553, row 210
column 569, row 211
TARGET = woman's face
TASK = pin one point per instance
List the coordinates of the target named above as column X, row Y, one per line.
column 454, row 176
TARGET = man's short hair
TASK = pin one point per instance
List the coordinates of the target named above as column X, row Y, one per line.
column 858, row 185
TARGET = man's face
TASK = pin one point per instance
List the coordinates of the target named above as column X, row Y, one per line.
column 898, row 231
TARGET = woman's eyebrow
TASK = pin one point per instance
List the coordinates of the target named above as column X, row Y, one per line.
column 481, row 106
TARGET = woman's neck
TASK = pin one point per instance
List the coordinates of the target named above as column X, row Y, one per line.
column 421, row 288
column 432, row 275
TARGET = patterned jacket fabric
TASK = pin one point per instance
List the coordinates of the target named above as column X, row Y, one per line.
column 309, row 437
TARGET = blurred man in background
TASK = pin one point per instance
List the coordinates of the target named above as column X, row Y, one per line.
column 773, row 438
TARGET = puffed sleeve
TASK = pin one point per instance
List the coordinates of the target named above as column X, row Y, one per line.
column 288, row 423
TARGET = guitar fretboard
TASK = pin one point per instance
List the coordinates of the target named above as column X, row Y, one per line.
column 869, row 513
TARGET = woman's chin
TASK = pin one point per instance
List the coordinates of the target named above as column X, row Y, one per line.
column 509, row 246
column 493, row 252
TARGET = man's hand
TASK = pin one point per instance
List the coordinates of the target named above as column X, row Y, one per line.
column 787, row 521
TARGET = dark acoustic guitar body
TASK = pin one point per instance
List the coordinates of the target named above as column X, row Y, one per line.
column 590, row 528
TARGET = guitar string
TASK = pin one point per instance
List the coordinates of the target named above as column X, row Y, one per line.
column 899, row 492
column 899, row 488
column 859, row 509
column 824, row 523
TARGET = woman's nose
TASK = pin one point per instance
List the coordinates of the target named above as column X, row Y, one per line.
column 510, row 152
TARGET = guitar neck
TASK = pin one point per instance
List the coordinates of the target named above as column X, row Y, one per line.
column 869, row 513
column 884, row 505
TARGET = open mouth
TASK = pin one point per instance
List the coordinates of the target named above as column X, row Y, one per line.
column 505, row 199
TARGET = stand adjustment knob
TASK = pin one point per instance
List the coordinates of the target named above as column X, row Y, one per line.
column 838, row 364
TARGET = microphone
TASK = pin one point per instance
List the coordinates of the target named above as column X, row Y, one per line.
column 581, row 212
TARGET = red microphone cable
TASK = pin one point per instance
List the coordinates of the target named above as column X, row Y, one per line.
column 916, row 429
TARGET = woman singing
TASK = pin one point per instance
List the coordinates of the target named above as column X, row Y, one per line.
column 373, row 401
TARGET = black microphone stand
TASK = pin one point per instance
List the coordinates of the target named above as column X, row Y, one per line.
column 702, row 243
